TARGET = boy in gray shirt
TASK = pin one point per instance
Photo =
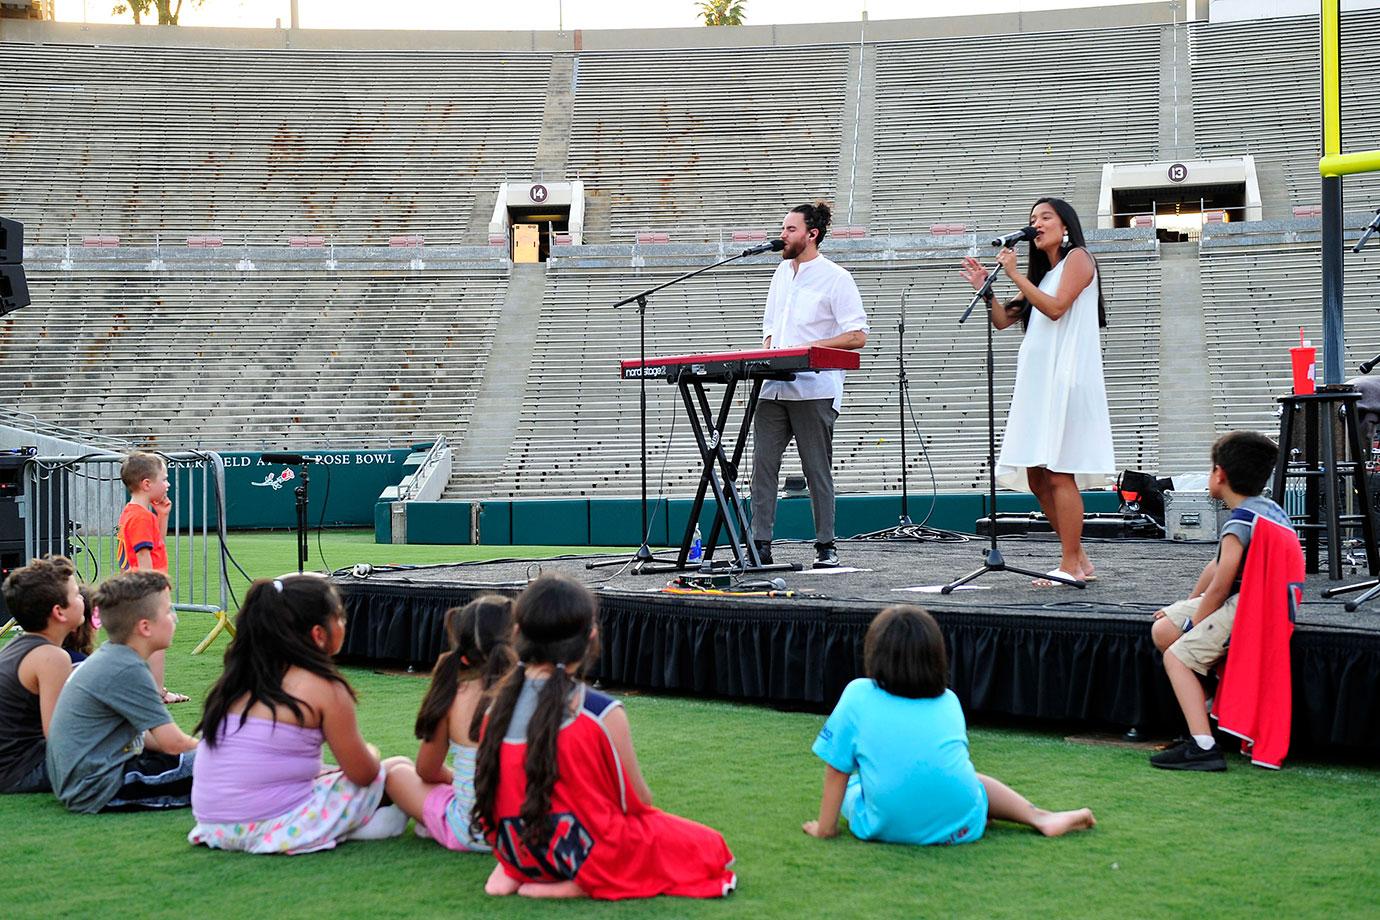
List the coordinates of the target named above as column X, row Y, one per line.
column 112, row 745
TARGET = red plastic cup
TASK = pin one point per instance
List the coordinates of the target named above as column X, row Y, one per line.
column 1304, row 359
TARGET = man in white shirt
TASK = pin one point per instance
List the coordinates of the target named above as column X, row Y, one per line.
column 811, row 301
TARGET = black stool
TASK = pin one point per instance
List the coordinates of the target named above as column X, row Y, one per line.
column 1321, row 411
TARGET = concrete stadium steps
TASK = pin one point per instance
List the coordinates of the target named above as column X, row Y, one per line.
column 262, row 145
column 1255, row 299
column 693, row 140
column 1255, row 91
column 214, row 361
column 577, row 432
column 940, row 156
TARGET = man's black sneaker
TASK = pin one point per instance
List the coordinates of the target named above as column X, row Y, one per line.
column 1186, row 755
column 826, row 557
column 763, row 551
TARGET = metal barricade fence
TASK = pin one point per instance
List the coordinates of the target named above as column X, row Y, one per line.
column 72, row 505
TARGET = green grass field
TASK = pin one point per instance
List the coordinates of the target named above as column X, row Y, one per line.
column 1300, row 842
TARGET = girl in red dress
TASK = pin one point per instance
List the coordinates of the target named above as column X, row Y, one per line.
column 558, row 793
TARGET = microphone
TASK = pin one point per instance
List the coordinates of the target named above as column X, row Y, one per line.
column 287, row 459
column 1369, row 366
column 1371, row 230
column 774, row 246
column 1016, row 236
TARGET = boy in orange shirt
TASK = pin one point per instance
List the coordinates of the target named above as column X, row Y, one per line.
column 141, row 537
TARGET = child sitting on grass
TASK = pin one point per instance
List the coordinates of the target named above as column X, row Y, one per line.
column 112, row 745
column 450, row 719
column 81, row 642
column 261, row 786
column 44, row 599
column 558, row 792
column 896, row 750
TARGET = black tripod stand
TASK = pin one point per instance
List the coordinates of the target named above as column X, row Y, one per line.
column 993, row 560
column 304, row 480
column 643, row 559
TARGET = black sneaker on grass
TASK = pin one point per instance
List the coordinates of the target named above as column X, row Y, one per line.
column 1186, row 755
column 826, row 557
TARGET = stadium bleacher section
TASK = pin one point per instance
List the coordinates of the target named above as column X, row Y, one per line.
column 312, row 360
column 214, row 148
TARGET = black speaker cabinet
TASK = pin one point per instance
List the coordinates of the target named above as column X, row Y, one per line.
column 11, row 241
column 14, row 289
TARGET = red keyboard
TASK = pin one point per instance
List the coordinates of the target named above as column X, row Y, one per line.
column 763, row 362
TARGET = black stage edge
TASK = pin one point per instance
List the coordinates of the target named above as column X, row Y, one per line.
column 1017, row 650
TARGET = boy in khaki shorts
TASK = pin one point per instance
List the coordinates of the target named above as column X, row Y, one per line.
column 1193, row 633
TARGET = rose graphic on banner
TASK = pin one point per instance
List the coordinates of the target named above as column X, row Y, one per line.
column 277, row 482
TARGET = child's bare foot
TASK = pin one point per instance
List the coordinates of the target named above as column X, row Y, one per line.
column 500, row 884
column 551, row 890
column 1059, row 823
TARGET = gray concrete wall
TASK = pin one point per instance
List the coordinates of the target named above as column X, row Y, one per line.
column 1136, row 14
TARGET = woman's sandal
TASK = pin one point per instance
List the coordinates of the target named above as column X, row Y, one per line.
column 169, row 697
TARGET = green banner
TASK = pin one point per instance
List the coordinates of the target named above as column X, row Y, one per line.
column 342, row 487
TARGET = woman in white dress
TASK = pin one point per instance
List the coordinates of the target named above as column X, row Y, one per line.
column 1058, row 436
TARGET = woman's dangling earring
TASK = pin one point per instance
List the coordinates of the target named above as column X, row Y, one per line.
column 1066, row 239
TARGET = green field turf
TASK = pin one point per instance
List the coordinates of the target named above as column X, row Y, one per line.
column 1300, row 842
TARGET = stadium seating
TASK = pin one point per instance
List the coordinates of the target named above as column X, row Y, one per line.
column 1255, row 301
column 1255, row 91
column 581, row 340
column 262, row 145
column 952, row 144
column 251, row 363
column 705, row 139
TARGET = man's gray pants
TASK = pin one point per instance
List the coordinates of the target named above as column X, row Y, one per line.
column 811, row 423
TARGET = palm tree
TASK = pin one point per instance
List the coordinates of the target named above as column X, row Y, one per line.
column 722, row 12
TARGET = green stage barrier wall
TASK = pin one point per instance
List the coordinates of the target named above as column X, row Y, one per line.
column 618, row 522
column 344, row 488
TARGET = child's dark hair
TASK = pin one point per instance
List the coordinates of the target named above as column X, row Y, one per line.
column 481, row 648
column 555, row 621
column 904, row 653
column 32, row 592
column 817, row 217
column 1248, row 458
column 83, row 639
column 273, row 633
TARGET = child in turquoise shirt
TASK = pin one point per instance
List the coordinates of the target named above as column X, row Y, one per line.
column 896, row 750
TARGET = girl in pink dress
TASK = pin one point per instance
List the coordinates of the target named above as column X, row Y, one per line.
column 558, row 792
column 452, row 714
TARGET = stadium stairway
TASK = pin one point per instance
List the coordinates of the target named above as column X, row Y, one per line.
column 1187, row 423
column 499, row 400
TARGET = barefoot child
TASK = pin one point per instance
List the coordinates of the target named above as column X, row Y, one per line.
column 558, row 792
column 260, row 783
column 452, row 713
column 896, row 750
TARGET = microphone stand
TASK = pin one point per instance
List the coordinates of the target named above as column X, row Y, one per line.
column 993, row 560
column 1371, row 230
column 643, row 559
column 905, row 528
column 301, row 494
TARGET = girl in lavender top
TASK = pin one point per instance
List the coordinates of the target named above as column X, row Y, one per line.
column 452, row 714
column 259, row 782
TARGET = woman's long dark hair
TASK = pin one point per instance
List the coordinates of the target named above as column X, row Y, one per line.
column 1037, row 263
column 555, row 621
column 272, row 634
column 481, row 648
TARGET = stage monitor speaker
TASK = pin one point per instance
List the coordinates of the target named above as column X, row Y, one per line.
column 11, row 241
column 14, row 289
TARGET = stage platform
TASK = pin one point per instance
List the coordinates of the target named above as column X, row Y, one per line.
column 1058, row 654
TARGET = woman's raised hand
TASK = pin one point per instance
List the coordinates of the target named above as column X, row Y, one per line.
column 1007, row 260
column 973, row 272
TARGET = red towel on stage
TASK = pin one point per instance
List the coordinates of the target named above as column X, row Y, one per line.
column 1255, row 699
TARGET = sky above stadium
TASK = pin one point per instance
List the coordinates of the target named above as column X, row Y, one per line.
column 543, row 14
